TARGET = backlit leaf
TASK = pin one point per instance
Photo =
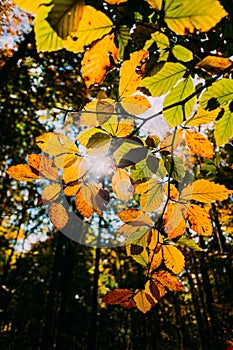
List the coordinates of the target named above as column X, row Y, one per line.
column 182, row 53
column 156, row 259
column 86, row 199
column 156, row 4
column 22, row 172
column 222, row 90
column 115, row 2
column 51, row 192
column 214, row 64
column 94, row 138
column 203, row 116
column 205, row 191
column 43, row 165
column 135, row 104
column 162, row 43
column 118, row 128
column 153, row 197
column 128, row 215
column 93, row 25
column 58, row 215
column 30, row 5
column 199, row 220
column 167, row 280
column 129, row 153
column 174, row 222
column 121, row 185
column 184, row 17
column 199, row 144
column 123, row 297
column 46, row 38
column 224, row 128
column 141, row 300
column 65, row 16
column 160, row 83
column 189, row 243
column 96, row 61
column 55, row 144
column 152, row 290
column 130, row 77
column 123, row 37
column 173, row 258
column 97, row 112
column 176, row 115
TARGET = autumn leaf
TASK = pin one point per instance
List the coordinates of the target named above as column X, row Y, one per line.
column 93, row 25
column 199, row 220
column 123, row 297
column 162, row 43
column 115, row 2
column 58, row 215
column 43, row 165
column 184, row 241
column 167, row 280
column 118, row 128
column 128, row 215
column 214, row 64
column 160, row 83
column 152, row 290
column 65, row 16
column 130, row 77
column 143, row 300
column 135, row 104
column 87, row 199
column 199, row 144
column 55, row 144
column 224, row 128
column 202, row 116
column 129, row 153
column 156, row 258
column 173, row 258
column 152, row 198
column 205, row 191
column 22, row 172
column 51, row 192
column 96, row 61
column 30, row 5
column 94, row 138
column 97, row 112
column 174, row 222
column 222, row 90
column 121, row 185
column 182, row 53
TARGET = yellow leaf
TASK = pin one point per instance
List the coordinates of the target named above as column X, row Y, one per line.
column 187, row 16
column 224, row 128
column 173, row 258
column 93, row 25
column 199, row 220
column 156, row 258
column 130, row 76
column 22, row 172
column 43, row 165
column 96, row 61
column 199, row 144
column 115, row 2
column 121, row 185
column 76, row 171
column 55, row 144
column 135, row 104
column 97, row 112
column 51, row 192
column 167, row 280
column 203, row 117
column 119, row 128
column 205, row 191
column 71, row 190
column 153, row 197
column 65, row 16
column 174, row 222
column 94, row 138
column 46, row 38
column 88, row 199
column 30, row 5
column 156, row 4
column 141, row 300
column 152, row 290
column 214, row 64
column 154, row 238
column 182, row 53
column 173, row 192
column 58, row 215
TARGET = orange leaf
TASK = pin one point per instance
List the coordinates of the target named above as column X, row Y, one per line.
column 58, row 215
column 55, row 144
column 214, row 64
column 199, row 220
column 44, row 165
column 135, row 104
column 131, row 73
column 174, row 222
column 115, row 2
column 205, row 191
column 128, row 215
column 199, row 144
column 89, row 199
column 22, row 172
column 167, row 280
column 121, row 184
column 123, row 297
column 156, row 258
column 96, row 61
column 173, row 258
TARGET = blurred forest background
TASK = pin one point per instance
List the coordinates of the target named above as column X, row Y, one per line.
column 51, row 287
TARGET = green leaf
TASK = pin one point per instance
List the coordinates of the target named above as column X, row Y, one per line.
column 178, row 171
column 189, row 243
column 162, row 43
column 184, row 17
column 123, row 36
column 129, row 153
column 176, row 115
column 224, row 128
column 140, row 171
column 134, row 237
column 153, row 197
column 222, row 90
column 46, row 38
column 182, row 54
column 65, row 16
column 160, row 83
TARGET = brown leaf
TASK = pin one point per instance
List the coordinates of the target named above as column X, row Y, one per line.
column 58, row 215
column 123, row 297
column 167, row 280
column 22, row 172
